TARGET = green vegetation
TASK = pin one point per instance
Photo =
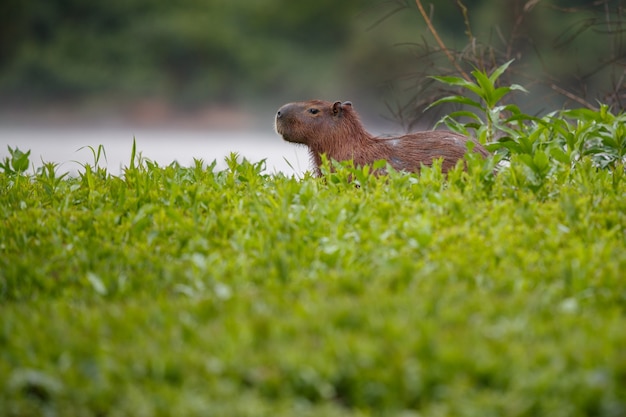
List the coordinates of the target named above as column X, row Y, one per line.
column 194, row 52
column 175, row 290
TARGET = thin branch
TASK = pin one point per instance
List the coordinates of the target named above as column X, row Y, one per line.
column 468, row 27
column 573, row 97
column 439, row 41
column 385, row 17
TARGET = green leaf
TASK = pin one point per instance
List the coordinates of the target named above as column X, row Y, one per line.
column 526, row 144
column 486, row 90
column 499, row 71
column 456, row 100
column 500, row 92
column 527, row 160
column 541, row 161
column 560, row 155
column 459, row 82
column 582, row 115
column 518, row 116
column 19, row 159
column 452, row 81
column 463, row 113
column 507, row 143
column 517, row 87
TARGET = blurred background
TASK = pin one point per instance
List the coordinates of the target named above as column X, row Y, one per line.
column 200, row 78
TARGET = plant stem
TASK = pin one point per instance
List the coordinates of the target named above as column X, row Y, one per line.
column 432, row 30
column 571, row 96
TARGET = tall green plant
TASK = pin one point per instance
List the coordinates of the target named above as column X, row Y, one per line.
column 535, row 147
column 487, row 116
column 601, row 135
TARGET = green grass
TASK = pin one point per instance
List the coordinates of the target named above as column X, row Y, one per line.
column 190, row 291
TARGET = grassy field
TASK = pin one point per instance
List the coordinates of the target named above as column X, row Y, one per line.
column 188, row 291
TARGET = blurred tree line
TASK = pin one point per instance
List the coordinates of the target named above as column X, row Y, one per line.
column 194, row 52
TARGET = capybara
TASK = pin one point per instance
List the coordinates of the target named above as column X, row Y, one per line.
column 335, row 129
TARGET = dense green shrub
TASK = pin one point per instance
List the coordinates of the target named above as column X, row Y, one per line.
column 175, row 290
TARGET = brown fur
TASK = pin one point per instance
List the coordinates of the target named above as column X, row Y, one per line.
column 335, row 129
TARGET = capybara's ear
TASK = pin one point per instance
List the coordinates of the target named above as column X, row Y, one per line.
column 337, row 108
column 347, row 103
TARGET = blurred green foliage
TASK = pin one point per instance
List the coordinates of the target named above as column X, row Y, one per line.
column 189, row 50
column 172, row 290
column 190, row 291
column 194, row 52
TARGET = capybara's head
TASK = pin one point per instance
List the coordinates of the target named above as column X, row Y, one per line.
column 304, row 121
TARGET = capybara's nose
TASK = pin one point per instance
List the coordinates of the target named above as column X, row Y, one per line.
column 283, row 111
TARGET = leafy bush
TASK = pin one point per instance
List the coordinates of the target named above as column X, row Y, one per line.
column 175, row 290
column 545, row 146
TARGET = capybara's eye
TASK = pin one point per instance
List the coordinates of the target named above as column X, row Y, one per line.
column 314, row 111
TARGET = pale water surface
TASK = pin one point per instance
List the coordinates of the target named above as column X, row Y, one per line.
column 63, row 146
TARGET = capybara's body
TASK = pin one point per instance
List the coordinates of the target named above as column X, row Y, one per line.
column 334, row 129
